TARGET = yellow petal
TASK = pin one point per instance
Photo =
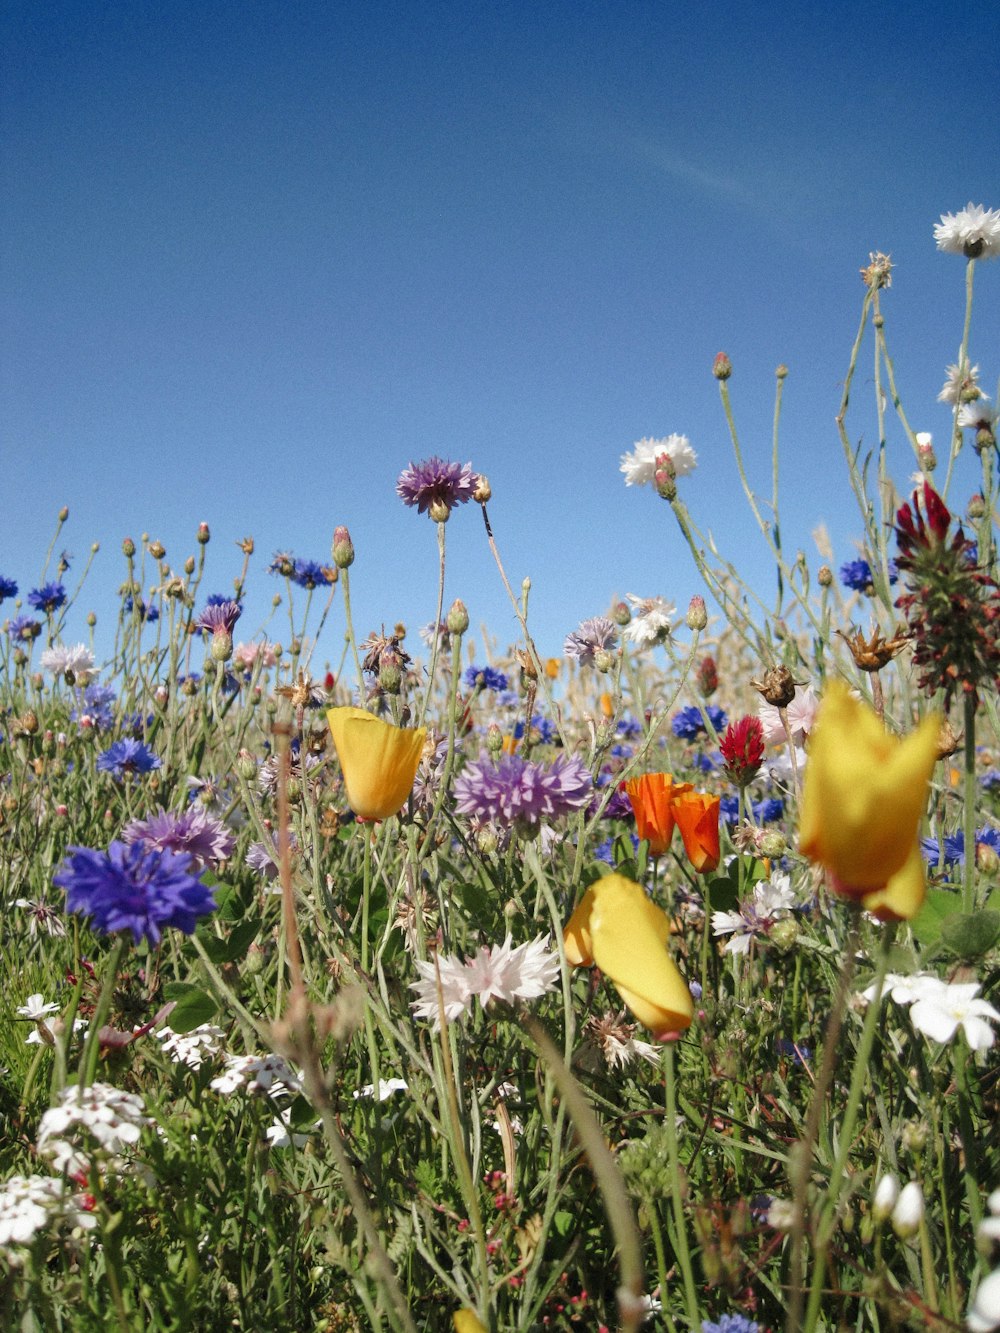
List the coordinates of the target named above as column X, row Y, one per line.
column 576, row 936
column 379, row 761
column 865, row 791
column 467, row 1322
column 903, row 897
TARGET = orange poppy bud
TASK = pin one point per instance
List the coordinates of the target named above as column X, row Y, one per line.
column 651, row 797
column 697, row 816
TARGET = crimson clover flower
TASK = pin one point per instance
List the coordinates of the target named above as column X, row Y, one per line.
column 134, row 887
column 742, row 749
column 518, row 792
column 436, row 486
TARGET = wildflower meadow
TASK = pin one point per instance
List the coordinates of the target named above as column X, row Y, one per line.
column 403, row 980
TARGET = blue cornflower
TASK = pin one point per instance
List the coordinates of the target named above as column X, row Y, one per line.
column 543, row 731
column 954, row 846
column 857, row 574
column 95, row 707
column 769, row 809
column 990, row 781
column 485, row 678
column 730, row 1323
column 605, row 852
column 729, row 809
column 127, row 756
column 689, row 723
column 622, row 751
column 134, row 887
column 8, row 588
column 310, row 574
column 628, row 728
column 48, row 598
column 149, row 613
column 704, row 763
column 23, row 629
column 217, row 599
column 799, row 1053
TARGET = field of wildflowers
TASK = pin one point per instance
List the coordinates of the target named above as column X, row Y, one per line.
column 650, row 985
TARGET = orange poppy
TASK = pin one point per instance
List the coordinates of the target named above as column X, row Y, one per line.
column 697, row 816
column 652, row 799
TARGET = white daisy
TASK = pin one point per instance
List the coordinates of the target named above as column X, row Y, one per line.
column 940, row 1015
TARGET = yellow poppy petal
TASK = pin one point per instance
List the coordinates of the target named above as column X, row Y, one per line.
column 903, row 897
column 465, row 1321
column 378, row 761
column 576, row 936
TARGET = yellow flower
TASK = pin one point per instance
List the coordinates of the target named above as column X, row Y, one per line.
column 466, row 1321
column 865, row 793
column 379, row 761
column 617, row 927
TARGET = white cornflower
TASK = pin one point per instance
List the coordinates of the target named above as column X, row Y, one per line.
column 639, row 466
column 97, row 1122
column 652, row 620
column 772, row 899
column 191, row 1048
column 31, row 1204
column 617, row 1042
column 973, row 232
column 497, row 973
column 959, row 388
column 908, row 1212
column 78, row 661
column 258, row 1074
column 979, row 415
column 42, row 917
column 939, row 1015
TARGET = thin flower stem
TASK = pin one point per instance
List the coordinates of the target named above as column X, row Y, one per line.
column 969, row 794
column 676, row 1193
column 437, row 627
column 963, row 368
column 345, row 580
column 92, row 1047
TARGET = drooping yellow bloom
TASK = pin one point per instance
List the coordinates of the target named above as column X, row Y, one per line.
column 865, row 792
column 466, row 1321
column 379, row 761
column 617, row 927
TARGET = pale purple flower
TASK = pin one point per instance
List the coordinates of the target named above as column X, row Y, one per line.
column 772, row 899
column 42, row 917
column 205, row 838
column 219, row 617
column 436, row 486
column 596, row 635
column 519, row 793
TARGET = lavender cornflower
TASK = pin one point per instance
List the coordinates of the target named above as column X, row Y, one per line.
column 8, row 588
column 597, row 635
column 127, row 756
column 134, row 888
column 95, row 707
column 517, row 792
column 219, row 617
column 48, row 598
column 485, row 678
column 205, row 839
column 436, row 486
column 22, row 629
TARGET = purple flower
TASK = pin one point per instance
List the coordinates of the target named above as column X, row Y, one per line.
column 8, row 588
column 259, row 856
column 219, row 617
column 689, row 722
column 203, row 837
column 730, row 1323
column 95, row 707
column 23, row 629
column 136, row 604
column 598, row 634
column 437, row 486
column 50, row 597
column 127, row 756
column 309, row 574
column 134, row 888
column 485, row 678
column 518, row 792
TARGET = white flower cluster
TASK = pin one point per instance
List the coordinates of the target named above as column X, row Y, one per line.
column 258, row 1074
column 501, row 973
column 35, row 1008
column 984, row 1312
column 78, row 660
column 95, row 1123
column 30, row 1205
column 939, row 1008
column 191, row 1048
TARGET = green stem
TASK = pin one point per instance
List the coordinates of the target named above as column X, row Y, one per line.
column 970, row 794
column 92, row 1048
column 680, row 1238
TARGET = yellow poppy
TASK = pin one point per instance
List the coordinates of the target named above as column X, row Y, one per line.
column 865, row 793
column 466, row 1321
column 379, row 761
column 617, row 927
column 552, row 667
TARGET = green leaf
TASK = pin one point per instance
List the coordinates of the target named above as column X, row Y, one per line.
column 971, row 934
column 723, row 894
column 193, row 1008
column 474, row 900
column 938, row 906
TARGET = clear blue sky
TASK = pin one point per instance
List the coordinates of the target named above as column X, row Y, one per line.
column 257, row 256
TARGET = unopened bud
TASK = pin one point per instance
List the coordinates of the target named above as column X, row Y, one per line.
column 390, row 676
column 128, row 548
column 665, row 477
column 457, row 619
column 697, row 615
column 189, row 565
column 620, row 613
column 976, row 508
column 784, row 933
column 908, row 1213
column 987, row 860
column 494, row 739
column 925, row 451
column 773, row 845
column 885, row 1197
column 484, row 491
column 246, row 765
column 157, row 550
column 204, row 535
column 160, row 696
column 824, row 576
column 64, row 514
column 343, row 548
column 915, row 1135
column 781, row 372
column 722, row 367
column 487, row 840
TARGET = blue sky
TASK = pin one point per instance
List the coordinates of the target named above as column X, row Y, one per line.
column 256, row 257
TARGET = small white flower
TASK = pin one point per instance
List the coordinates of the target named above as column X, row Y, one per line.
column 79, row 660
column 772, row 899
column 956, row 385
column 42, row 917
column 909, row 1210
column 973, row 232
column 885, row 1197
column 279, row 1133
column 96, row 1122
column 939, row 1014
column 984, row 1312
column 500, row 972
column 386, row 1087
column 652, row 620
column 191, row 1048
column 36, row 1008
column 31, row 1204
column 639, row 466
column 258, row 1074
column 980, row 415
column 782, row 1214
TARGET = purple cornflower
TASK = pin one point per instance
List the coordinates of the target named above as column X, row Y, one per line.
column 857, row 574
column 516, row 792
column 127, row 756
column 485, row 678
column 689, row 722
column 597, row 635
column 95, row 707
column 259, row 856
column 309, row 574
column 437, row 486
column 219, row 617
column 203, row 837
column 134, row 888
column 23, row 629
column 730, row 1323
column 8, row 588
column 149, row 613
column 48, row 598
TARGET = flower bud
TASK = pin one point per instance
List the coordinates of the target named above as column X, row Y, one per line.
column 603, row 660
column 987, row 860
column 457, row 619
column 246, row 765
column 204, row 535
column 160, row 696
column 697, row 616
column 777, row 687
column 487, row 840
column 157, row 550
column 925, row 451
column 494, row 739
column 722, row 367
column 438, row 510
column 885, row 1197
column 620, row 614
column 773, row 845
column 222, row 645
column 343, row 548
column 64, row 514
column 128, row 548
column 976, row 508
column 189, row 565
column 824, row 576
column 915, row 1135
column 664, row 477
column 484, row 491
column 784, row 933
column 908, row 1212
column 781, row 372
